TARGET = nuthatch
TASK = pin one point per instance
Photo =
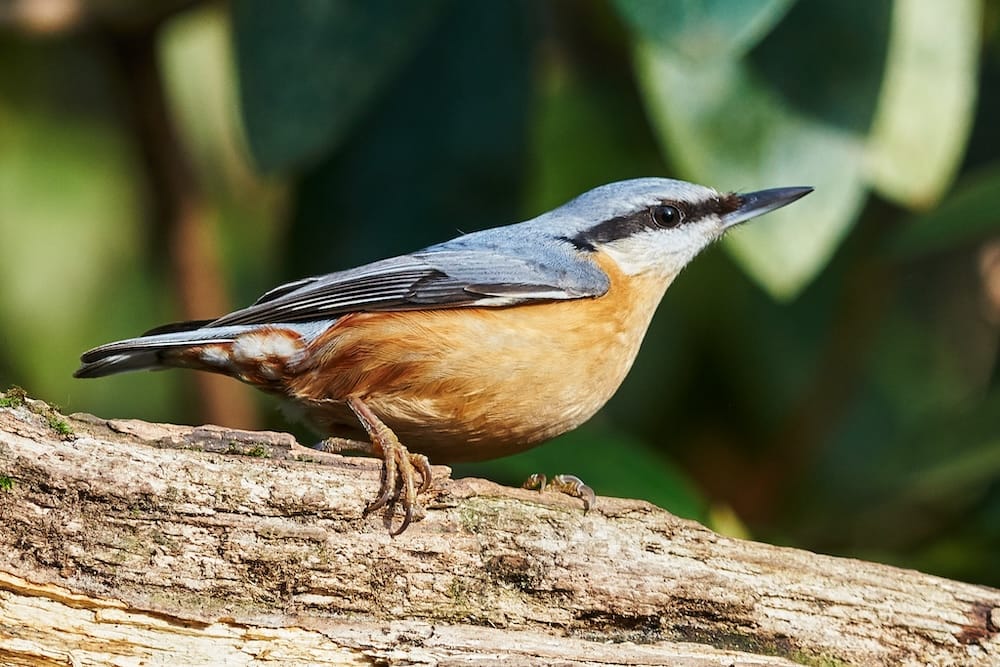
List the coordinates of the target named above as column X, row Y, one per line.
column 472, row 349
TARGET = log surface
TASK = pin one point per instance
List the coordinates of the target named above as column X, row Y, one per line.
column 126, row 542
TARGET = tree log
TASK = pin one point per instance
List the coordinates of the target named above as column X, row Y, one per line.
column 125, row 542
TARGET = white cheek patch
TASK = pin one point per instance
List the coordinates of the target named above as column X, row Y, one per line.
column 664, row 251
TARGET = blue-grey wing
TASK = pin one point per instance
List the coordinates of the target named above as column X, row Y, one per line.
column 460, row 273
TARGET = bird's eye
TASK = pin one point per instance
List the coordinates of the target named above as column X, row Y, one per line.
column 666, row 216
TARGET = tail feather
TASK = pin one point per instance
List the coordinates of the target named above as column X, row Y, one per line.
column 119, row 363
column 147, row 351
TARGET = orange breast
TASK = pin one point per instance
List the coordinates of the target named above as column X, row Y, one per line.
column 478, row 383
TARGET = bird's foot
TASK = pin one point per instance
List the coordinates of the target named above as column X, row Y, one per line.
column 399, row 467
column 571, row 485
column 399, row 474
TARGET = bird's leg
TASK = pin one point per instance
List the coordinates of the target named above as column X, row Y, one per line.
column 399, row 466
column 571, row 485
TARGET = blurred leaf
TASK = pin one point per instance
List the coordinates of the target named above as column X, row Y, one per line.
column 133, row 304
column 919, row 450
column 309, row 68
column 89, row 223
column 985, row 136
column 972, row 470
column 196, row 58
column 930, row 474
column 723, row 520
column 723, row 128
column 703, row 30
column 970, row 214
column 928, row 99
column 449, row 159
column 587, row 132
column 609, row 461
column 925, row 488
column 200, row 81
column 936, row 350
column 967, row 553
column 71, row 227
column 794, row 61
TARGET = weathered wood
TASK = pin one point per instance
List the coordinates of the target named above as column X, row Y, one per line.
column 130, row 542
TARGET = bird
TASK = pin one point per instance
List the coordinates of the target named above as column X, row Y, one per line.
column 475, row 348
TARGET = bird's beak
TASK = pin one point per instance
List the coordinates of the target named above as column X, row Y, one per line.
column 757, row 203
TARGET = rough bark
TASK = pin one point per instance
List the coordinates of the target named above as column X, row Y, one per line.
column 126, row 542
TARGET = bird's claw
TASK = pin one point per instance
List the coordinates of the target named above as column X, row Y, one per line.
column 399, row 467
column 399, row 471
column 571, row 485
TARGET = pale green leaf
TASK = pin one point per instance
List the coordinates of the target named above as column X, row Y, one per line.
column 200, row 80
column 73, row 273
column 725, row 129
column 925, row 112
column 69, row 220
column 703, row 30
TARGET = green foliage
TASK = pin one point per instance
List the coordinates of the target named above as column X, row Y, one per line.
column 457, row 115
column 727, row 128
column 13, row 398
column 16, row 397
column 966, row 217
column 892, row 112
column 58, row 424
column 6, row 483
column 307, row 75
column 831, row 380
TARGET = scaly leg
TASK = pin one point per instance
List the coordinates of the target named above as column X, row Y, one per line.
column 571, row 485
column 399, row 466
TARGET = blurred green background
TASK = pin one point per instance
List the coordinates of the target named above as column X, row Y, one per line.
column 827, row 378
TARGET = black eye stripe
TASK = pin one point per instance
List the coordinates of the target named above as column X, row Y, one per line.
column 614, row 229
column 724, row 203
column 645, row 219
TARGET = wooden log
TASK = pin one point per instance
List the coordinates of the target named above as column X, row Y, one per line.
column 125, row 542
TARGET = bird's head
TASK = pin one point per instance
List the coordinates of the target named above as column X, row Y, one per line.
column 659, row 224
